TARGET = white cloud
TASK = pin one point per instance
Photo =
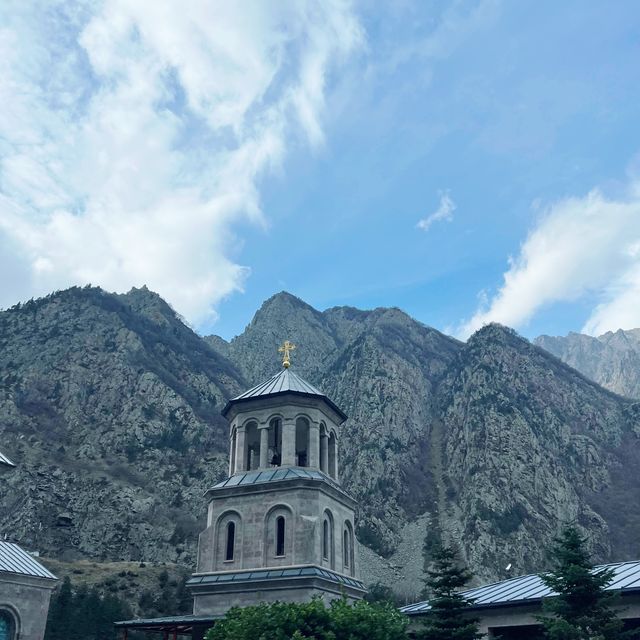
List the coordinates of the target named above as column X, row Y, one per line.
column 133, row 134
column 588, row 245
column 444, row 212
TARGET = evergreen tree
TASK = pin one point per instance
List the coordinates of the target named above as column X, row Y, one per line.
column 60, row 620
column 582, row 609
column 448, row 617
column 84, row 614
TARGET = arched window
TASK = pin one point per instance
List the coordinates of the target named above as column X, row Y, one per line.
column 280, row 536
column 6, row 626
column 231, row 540
column 328, row 540
column 228, row 545
column 348, row 553
column 325, row 539
column 275, row 442
column 303, row 432
column 345, row 550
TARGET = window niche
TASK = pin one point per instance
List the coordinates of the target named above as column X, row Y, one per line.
column 328, row 541
column 228, row 540
column 279, row 537
column 348, row 552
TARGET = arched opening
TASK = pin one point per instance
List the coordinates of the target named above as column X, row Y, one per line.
column 345, row 549
column 275, row 442
column 228, row 541
column 325, row 539
column 328, row 542
column 332, row 456
column 232, row 454
column 231, row 541
column 7, row 626
column 280, row 536
column 324, row 449
column 252, row 446
column 302, row 442
column 348, row 553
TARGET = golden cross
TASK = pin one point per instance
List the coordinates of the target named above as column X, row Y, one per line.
column 285, row 349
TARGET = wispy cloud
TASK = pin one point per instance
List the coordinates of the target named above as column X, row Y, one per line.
column 587, row 245
column 444, row 212
column 133, row 135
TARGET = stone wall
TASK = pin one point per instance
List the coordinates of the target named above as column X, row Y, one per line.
column 304, row 508
column 26, row 599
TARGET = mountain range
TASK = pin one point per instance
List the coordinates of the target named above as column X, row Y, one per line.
column 110, row 406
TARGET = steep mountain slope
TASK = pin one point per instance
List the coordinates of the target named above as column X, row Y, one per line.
column 528, row 442
column 612, row 359
column 110, row 408
column 110, row 405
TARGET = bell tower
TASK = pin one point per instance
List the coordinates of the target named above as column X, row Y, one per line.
column 280, row 527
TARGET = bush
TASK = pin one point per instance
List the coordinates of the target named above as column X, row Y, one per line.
column 312, row 620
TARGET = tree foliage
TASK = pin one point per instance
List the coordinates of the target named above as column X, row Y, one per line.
column 582, row 610
column 448, row 617
column 312, row 621
column 381, row 593
column 84, row 614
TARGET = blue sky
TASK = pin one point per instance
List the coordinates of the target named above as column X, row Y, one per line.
column 466, row 161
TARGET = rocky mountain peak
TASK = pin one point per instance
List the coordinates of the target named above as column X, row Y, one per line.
column 612, row 359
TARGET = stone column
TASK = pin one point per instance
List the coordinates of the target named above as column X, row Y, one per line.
column 335, row 461
column 241, row 450
column 324, row 453
column 264, row 446
column 314, row 445
column 288, row 443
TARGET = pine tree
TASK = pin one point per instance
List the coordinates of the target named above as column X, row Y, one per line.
column 60, row 620
column 582, row 609
column 448, row 617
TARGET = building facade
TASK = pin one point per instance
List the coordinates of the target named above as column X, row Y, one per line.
column 508, row 609
column 280, row 527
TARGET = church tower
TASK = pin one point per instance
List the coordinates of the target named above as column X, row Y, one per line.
column 280, row 527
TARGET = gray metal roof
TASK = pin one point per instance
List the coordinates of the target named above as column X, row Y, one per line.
column 167, row 621
column 4, row 460
column 528, row 589
column 13, row 559
column 257, row 575
column 283, row 382
column 276, row 474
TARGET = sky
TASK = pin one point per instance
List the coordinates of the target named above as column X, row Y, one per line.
column 468, row 162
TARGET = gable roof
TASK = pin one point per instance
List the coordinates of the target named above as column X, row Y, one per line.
column 531, row 589
column 286, row 381
column 14, row 559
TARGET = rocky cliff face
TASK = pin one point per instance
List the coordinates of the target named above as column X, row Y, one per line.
column 612, row 359
column 110, row 405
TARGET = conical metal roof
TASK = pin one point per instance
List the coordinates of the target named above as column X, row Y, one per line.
column 283, row 382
